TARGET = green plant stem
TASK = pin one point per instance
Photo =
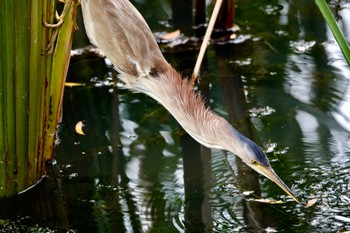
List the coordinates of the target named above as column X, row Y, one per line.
column 60, row 63
column 2, row 103
column 21, row 91
column 36, row 86
column 327, row 15
column 9, row 94
column 31, row 88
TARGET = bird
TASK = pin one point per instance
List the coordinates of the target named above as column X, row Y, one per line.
column 120, row 31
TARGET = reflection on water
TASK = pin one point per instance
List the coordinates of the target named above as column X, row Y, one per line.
column 286, row 85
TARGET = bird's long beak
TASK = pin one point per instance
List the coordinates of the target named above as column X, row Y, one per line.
column 271, row 174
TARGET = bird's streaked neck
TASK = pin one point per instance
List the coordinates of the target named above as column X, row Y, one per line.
column 209, row 129
column 187, row 107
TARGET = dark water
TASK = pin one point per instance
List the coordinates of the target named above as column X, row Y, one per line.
column 282, row 82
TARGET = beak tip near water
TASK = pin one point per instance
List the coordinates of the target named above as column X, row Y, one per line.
column 270, row 173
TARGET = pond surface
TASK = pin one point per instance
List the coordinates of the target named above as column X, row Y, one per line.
column 282, row 81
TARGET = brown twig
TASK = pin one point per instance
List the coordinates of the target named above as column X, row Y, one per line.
column 205, row 41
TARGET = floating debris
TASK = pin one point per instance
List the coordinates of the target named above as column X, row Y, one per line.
column 268, row 201
column 73, row 84
column 79, row 128
column 170, row 35
column 311, row 202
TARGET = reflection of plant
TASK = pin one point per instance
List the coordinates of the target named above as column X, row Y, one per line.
column 327, row 15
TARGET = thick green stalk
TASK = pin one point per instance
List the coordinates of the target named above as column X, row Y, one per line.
column 327, row 15
column 60, row 65
column 31, row 88
column 36, row 86
column 10, row 148
column 21, row 90
column 2, row 103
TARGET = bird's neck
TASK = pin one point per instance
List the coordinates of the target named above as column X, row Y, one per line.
column 187, row 107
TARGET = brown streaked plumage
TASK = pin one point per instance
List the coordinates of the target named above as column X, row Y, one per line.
column 123, row 39
column 118, row 29
column 179, row 98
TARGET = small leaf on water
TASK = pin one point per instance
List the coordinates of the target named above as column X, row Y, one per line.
column 170, row 35
column 311, row 202
column 233, row 36
column 79, row 128
column 72, row 84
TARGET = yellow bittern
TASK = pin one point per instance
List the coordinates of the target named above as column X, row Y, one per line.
column 120, row 31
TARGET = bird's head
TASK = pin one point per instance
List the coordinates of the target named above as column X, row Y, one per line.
column 254, row 157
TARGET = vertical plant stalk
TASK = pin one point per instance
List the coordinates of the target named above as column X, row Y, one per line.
column 31, row 87
column 9, row 96
column 327, row 15
column 36, row 88
column 21, row 95
column 60, row 63
column 2, row 103
column 205, row 41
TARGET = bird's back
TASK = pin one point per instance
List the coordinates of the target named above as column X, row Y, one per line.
column 123, row 35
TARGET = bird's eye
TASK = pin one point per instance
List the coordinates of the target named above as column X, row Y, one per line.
column 254, row 162
column 154, row 72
